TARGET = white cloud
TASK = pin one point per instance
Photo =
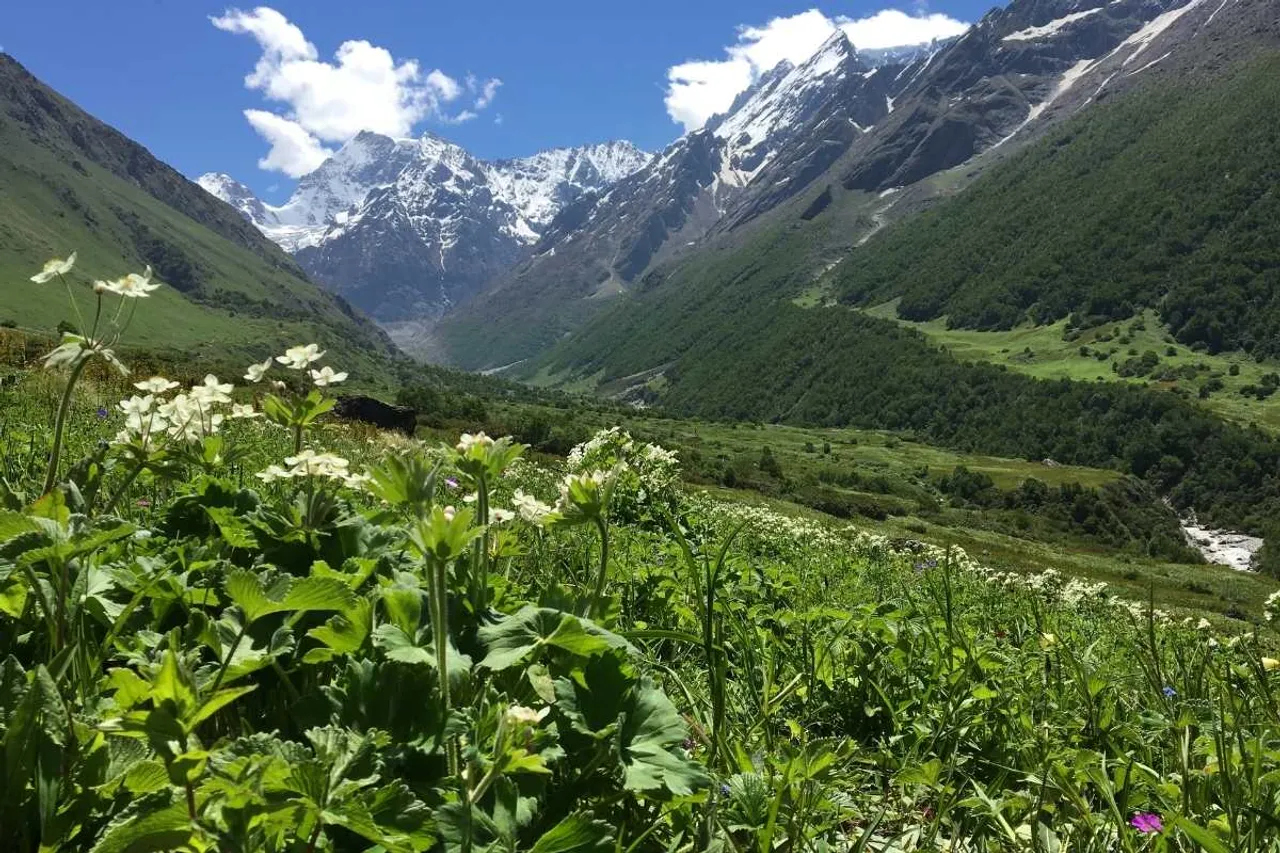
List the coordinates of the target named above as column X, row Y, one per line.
column 293, row 151
column 891, row 28
column 487, row 91
column 443, row 85
column 363, row 88
column 461, row 118
column 699, row 89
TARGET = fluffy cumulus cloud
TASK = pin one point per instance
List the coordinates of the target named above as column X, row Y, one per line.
column 699, row 89
column 327, row 102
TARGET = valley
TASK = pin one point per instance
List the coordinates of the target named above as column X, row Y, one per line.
column 882, row 455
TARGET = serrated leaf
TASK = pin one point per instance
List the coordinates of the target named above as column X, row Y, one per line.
column 576, row 832
column 165, row 829
column 235, row 531
column 247, row 591
column 399, row 646
column 146, row 777
column 518, row 636
column 14, row 524
column 343, row 634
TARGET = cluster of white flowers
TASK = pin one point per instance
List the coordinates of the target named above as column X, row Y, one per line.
column 763, row 531
column 469, row 441
column 189, row 416
column 309, row 463
column 298, row 358
column 648, row 476
column 1271, row 610
column 529, row 508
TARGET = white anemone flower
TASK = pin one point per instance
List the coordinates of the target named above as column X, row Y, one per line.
column 136, row 405
column 297, row 358
column 55, row 267
column 212, row 391
column 325, row 377
column 242, row 412
column 274, row 472
column 155, row 385
column 256, row 372
column 131, row 286
column 500, row 516
column 469, row 441
column 519, row 715
column 530, row 508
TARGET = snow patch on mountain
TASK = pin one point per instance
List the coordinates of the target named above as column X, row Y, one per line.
column 1051, row 28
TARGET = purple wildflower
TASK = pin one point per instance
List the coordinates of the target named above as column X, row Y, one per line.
column 1147, row 822
column 451, row 483
column 1169, row 692
column 143, row 502
column 102, row 413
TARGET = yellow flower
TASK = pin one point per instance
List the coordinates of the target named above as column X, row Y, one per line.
column 1048, row 641
column 55, row 267
column 1270, row 664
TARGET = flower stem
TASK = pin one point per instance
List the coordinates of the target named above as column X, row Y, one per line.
column 602, row 575
column 124, row 487
column 440, row 628
column 59, row 425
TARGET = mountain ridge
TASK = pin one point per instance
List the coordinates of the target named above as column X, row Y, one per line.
column 409, row 227
column 69, row 182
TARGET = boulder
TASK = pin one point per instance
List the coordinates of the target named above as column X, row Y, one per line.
column 382, row 415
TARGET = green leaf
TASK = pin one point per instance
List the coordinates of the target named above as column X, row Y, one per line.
column 1201, row 836
column 515, row 638
column 235, row 531
column 14, row 524
column 399, row 646
column 13, row 596
column 286, row 595
column 168, row 828
column 217, row 702
column 651, row 730
column 343, row 634
column 576, row 832
column 146, row 777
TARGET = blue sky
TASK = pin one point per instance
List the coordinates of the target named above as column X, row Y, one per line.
column 570, row 71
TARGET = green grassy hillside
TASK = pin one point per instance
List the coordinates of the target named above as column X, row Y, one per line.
column 69, row 183
column 724, row 337
column 1168, row 198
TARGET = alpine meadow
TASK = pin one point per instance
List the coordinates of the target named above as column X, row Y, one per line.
column 889, row 462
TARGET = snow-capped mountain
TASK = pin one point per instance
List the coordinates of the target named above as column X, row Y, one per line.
column 845, row 121
column 408, row 227
column 792, row 124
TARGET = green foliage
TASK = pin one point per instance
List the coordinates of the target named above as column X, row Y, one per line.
column 342, row 662
column 1162, row 199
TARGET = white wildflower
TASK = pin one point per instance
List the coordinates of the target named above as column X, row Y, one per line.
column 325, row 377
column 155, row 385
column 137, row 405
column 242, row 412
column 530, row 508
column 519, row 715
column 55, row 267
column 469, row 441
column 297, row 358
column 500, row 516
column 255, row 372
column 212, row 392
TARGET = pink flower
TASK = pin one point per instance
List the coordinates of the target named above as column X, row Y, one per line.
column 1147, row 822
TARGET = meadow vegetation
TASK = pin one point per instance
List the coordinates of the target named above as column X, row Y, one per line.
column 233, row 624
